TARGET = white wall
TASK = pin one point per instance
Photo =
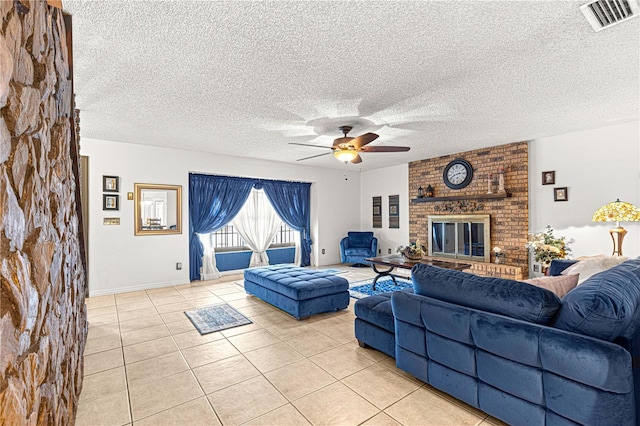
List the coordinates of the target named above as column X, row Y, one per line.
column 597, row 166
column 120, row 261
column 384, row 182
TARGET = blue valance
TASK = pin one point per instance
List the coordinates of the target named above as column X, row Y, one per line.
column 215, row 200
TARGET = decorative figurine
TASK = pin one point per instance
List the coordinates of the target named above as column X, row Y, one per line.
column 501, row 189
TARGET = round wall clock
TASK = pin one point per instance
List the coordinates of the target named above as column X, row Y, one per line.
column 458, row 174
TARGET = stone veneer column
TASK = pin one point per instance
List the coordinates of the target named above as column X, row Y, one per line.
column 42, row 282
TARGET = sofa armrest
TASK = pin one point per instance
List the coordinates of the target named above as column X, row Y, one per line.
column 344, row 244
column 374, row 246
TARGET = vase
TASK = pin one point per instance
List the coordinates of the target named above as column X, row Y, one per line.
column 501, row 189
column 498, row 259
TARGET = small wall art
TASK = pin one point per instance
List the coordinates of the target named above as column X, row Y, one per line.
column 394, row 211
column 560, row 194
column 377, row 212
column 110, row 184
column 549, row 178
column 110, row 202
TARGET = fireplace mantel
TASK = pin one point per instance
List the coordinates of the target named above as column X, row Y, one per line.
column 462, row 197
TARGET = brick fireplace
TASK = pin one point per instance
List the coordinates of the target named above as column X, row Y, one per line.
column 509, row 216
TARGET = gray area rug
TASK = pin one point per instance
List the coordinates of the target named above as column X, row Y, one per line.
column 216, row 318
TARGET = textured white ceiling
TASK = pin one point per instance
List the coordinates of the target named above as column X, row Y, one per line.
column 246, row 78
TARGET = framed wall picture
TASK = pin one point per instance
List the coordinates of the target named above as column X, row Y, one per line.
column 560, row 194
column 394, row 211
column 377, row 212
column 110, row 184
column 549, row 178
column 110, row 202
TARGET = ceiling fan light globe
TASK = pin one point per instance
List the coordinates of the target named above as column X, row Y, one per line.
column 345, row 155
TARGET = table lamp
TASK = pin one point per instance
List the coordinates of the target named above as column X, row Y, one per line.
column 617, row 211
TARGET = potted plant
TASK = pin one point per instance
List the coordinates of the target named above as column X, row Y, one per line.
column 547, row 247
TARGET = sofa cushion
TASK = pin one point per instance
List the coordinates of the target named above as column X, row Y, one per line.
column 559, row 285
column 376, row 310
column 360, row 239
column 498, row 295
column 605, row 304
column 358, row 252
column 592, row 265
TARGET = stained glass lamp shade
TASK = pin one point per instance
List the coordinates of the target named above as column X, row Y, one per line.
column 617, row 211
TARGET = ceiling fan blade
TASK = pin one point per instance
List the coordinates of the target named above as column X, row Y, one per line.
column 357, row 160
column 362, row 140
column 313, row 156
column 306, row 144
column 384, row 149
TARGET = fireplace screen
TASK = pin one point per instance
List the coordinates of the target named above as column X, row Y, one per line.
column 459, row 236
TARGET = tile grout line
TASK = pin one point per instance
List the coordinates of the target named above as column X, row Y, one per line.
column 124, row 365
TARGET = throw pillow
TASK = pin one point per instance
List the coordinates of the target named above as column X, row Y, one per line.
column 560, row 284
column 592, row 265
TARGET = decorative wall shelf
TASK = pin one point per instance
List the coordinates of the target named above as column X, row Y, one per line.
column 462, row 197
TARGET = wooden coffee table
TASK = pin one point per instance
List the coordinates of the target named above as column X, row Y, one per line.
column 393, row 262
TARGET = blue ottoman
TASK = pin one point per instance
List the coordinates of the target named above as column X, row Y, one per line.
column 374, row 325
column 298, row 291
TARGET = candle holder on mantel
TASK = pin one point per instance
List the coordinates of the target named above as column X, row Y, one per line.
column 489, row 183
column 430, row 191
column 501, row 189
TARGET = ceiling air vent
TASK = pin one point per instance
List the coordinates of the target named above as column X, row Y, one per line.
column 602, row 14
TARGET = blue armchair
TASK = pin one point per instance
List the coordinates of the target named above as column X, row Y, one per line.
column 357, row 246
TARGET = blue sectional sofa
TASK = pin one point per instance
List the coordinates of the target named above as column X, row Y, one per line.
column 518, row 352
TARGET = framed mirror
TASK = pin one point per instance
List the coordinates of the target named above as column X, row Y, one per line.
column 157, row 209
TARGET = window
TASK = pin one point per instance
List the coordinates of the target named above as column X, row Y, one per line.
column 228, row 239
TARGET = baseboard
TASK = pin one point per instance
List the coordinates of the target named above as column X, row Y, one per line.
column 150, row 286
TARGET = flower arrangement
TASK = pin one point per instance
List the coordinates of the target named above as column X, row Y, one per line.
column 497, row 251
column 547, row 247
column 413, row 251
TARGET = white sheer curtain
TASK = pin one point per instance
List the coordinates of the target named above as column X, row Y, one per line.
column 257, row 223
column 208, row 270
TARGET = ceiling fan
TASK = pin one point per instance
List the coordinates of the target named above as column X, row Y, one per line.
column 347, row 148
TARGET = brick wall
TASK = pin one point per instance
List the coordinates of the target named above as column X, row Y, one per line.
column 42, row 280
column 509, row 216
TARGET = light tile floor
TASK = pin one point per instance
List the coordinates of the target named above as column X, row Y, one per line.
column 145, row 364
